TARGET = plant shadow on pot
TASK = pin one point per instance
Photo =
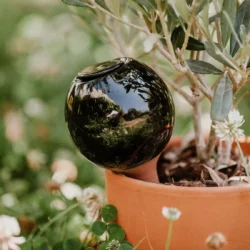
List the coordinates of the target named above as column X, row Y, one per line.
column 205, row 210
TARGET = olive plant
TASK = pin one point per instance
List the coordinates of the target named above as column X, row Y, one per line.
column 195, row 37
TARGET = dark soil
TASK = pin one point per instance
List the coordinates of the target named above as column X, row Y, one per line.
column 181, row 167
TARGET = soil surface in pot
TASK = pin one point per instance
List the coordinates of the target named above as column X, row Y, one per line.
column 180, row 166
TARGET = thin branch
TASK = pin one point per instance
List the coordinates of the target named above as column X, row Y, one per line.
column 199, row 140
column 97, row 6
column 218, row 30
column 211, row 142
column 188, row 30
column 193, row 79
column 176, row 87
column 165, row 31
column 233, row 80
column 119, row 38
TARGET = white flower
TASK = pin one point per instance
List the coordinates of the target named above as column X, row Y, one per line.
column 113, row 245
column 216, row 241
column 92, row 199
column 71, row 191
column 9, row 229
column 171, row 213
column 64, row 170
column 229, row 129
column 58, row 204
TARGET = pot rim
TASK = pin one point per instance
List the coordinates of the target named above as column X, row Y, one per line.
column 149, row 187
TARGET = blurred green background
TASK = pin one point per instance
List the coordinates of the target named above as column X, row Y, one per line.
column 43, row 45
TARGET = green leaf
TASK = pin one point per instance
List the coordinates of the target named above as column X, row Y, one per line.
column 98, row 228
column 202, row 67
column 77, row 3
column 243, row 32
column 58, row 246
column 109, row 213
column 114, row 6
column 222, row 100
column 26, row 246
column 116, row 232
column 204, row 15
column 137, row 7
column 229, row 6
column 71, row 244
column 242, row 17
column 194, row 44
column 149, row 4
column 178, row 37
column 211, row 51
column 173, row 19
column 201, row 6
column 213, row 18
column 103, row 246
column 182, row 9
column 125, row 246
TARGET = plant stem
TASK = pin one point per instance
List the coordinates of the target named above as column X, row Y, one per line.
column 165, row 31
column 95, row 5
column 57, row 217
column 211, row 142
column 243, row 159
column 170, row 229
column 199, row 140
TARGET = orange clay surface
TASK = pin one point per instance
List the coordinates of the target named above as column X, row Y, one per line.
column 204, row 211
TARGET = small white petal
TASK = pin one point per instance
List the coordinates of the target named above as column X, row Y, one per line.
column 18, row 240
column 171, row 213
column 71, row 190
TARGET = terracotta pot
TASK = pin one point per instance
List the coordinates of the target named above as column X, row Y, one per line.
column 204, row 211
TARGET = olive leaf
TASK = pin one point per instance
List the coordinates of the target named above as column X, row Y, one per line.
column 243, row 32
column 137, row 7
column 229, row 6
column 116, row 232
column 204, row 15
column 203, row 67
column 178, row 37
column 213, row 53
column 109, row 213
column 148, row 4
column 173, row 19
column 114, row 6
column 222, row 100
column 215, row 176
column 182, row 9
column 201, row 6
column 242, row 17
column 77, row 3
column 194, row 44
column 213, row 18
column 98, row 228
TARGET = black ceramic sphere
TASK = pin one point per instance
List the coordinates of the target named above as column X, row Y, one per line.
column 120, row 114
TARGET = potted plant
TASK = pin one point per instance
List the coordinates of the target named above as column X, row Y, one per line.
column 205, row 43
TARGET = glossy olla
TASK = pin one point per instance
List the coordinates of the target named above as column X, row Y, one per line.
column 120, row 114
